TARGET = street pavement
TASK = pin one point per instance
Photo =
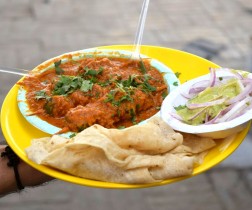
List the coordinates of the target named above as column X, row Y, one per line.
column 219, row 30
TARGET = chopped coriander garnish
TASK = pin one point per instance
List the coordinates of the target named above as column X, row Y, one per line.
column 93, row 72
column 128, row 87
column 81, row 128
column 97, row 94
column 126, row 97
column 142, row 66
column 175, row 83
column 148, row 87
column 133, row 115
column 58, row 70
column 177, row 108
column 41, row 94
column 137, row 107
column 86, row 86
column 48, row 107
column 118, row 112
column 121, row 127
column 68, row 84
column 111, row 97
column 72, row 135
column 131, row 81
column 104, row 84
column 177, row 74
column 164, row 94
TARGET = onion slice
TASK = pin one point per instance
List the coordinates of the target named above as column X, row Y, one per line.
column 187, row 95
column 196, row 90
column 237, row 108
column 233, row 72
column 212, row 77
column 247, row 90
column 212, row 121
column 246, row 81
column 197, row 114
column 176, row 116
column 198, row 87
column 206, row 104
column 220, row 114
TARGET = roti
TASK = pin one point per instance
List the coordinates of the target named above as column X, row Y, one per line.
column 139, row 154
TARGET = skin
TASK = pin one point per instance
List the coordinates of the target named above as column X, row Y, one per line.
column 28, row 175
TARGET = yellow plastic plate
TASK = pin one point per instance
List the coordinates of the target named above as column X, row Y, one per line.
column 19, row 133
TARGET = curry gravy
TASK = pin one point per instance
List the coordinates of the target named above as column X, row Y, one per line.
column 112, row 92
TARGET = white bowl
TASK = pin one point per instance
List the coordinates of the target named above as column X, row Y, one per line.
column 168, row 75
column 216, row 131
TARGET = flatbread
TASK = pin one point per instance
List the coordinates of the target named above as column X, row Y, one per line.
column 196, row 143
column 146, row 153
column 151, row 138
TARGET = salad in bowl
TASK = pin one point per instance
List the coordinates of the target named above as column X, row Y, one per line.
column 215, row 105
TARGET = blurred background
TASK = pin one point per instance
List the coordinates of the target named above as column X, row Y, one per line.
column 32, row 31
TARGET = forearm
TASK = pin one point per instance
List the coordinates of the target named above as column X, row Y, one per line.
column 28, row 176
column 7, row 177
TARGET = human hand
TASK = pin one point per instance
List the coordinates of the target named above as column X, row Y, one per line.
column 28, row 175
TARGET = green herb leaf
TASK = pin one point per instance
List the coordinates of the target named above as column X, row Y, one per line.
column 97, row 94
column 48, row 107
column 81, row 128
column 93, row 72
column 126, row 97
column 142, row 66
column 104, row 84
column 86, row 86
column 147, row 87
column 58, row 70
column 100, row 70
column 121, row 127
column 177, row 74
column 180, row 107
column 41, row 94
column 111, row 97
column 133, row 116
column 175, row 83
column 72, row 135
column 130, row 81
column 118, row 112
column 164, row 94
column 137, row 107
column 68, row 84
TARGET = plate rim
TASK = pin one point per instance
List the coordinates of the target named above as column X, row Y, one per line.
column 19, row 147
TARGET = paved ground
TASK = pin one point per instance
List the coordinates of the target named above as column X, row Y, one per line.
column 220, row 30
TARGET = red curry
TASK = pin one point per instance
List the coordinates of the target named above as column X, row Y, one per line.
column 112, row 92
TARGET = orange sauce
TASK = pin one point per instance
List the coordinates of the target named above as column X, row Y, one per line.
column 112, row 92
